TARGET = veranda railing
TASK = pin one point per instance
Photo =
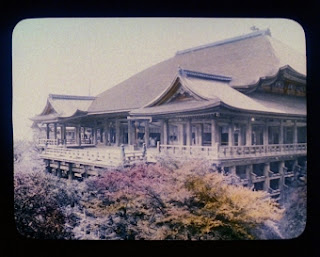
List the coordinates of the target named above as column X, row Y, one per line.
column 224, row 152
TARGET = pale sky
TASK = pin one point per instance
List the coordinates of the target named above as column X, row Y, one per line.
column 80, row 56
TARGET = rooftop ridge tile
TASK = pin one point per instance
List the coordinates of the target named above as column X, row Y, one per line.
column 71, row 97
column 226, row 41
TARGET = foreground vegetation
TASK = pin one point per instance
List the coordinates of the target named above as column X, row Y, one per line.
column 166, row 201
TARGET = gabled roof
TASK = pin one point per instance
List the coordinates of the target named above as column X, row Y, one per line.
column 245, row 59
column 63, row 106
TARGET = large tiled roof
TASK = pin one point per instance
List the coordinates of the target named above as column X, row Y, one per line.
column 244, row 59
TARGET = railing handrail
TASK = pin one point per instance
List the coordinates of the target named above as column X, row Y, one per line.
column 186, row 146
column 56, row 141
column 219, row 151
column 104, row 155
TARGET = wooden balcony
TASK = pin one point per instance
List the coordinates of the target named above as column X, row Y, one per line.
column 97, row 157
column 115, row 156
column 233, row 152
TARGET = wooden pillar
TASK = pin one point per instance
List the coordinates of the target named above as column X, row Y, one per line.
column 79, row 135
column 249, row 132
column 164, row 132
column 63, row 133
column 281, row 133
column 266, row 134
column 295, row 132
column 48, row 130
column 48, row 168
column 249, row 169
column 70, row 174
column 55, row 130
column 231, row 134
column 101, row 134
column 117, row 132
column 146, row 133
column 240, row 137
column 107, row 133
column 180, row 134
column 120, row 134
column 200, row 134
column 214, row 132
column 281, row 171
column 189, row 132
column 93, row 136
column 59, row 170
column 85, row 173
column 266, row 184
column 130, row 129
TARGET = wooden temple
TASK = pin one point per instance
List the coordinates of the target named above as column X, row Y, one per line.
column 239, row 103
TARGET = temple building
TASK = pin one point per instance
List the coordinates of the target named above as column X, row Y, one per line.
column 239, row 103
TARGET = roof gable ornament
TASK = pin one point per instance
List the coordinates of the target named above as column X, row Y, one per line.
column 254, row 28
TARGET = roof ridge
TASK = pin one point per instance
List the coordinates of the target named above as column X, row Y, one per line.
column 202, row 75
column 226, row 41
column 71, row 97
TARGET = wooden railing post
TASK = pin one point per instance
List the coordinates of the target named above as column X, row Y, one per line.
column 158, row 146
column 123, row 155
column 144, row 149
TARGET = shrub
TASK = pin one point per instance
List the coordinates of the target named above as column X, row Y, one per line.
column 154, row 202
column 40, row 200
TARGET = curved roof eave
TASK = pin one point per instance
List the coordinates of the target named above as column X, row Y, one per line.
column 287, row 68
column 205, row 106
column 264, row 112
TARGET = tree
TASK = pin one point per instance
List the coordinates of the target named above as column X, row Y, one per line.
column 40, row 200
column 189, row 202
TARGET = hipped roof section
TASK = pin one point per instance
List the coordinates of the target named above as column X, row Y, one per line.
column 246, row 59
column 63, row 106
